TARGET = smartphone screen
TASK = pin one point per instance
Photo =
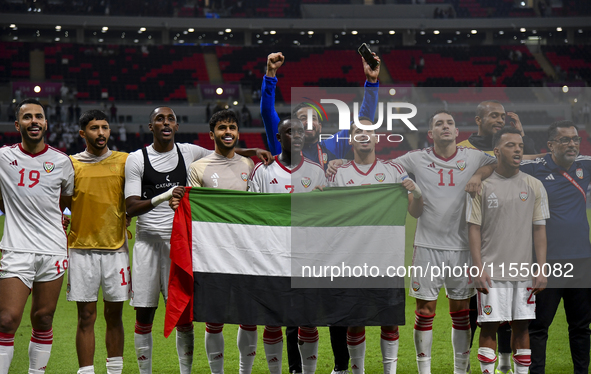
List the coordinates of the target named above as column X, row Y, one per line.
column 365, row 52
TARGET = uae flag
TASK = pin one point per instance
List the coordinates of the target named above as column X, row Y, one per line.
column 325, row 258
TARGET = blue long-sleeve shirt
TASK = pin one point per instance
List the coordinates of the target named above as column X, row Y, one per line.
column 328, row 149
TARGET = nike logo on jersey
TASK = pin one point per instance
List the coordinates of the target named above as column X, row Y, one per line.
column 351, row 182
column 14, row 163
column 550, row 177
column 274, row 181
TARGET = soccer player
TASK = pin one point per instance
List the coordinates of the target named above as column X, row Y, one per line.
column 565, row 175
column 290, row 173
column 441, row 172
column 500, row 218
column 490, row 118
column 226, row 169
column 366, row 168
column 33, row 177
column 98, row 242
column 320, row 152
column 150, row 177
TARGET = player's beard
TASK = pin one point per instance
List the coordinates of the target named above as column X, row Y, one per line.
column 28, row 139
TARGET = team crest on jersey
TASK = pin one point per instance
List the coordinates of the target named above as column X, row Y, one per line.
column 416, row 286
column 523, row 195
column 380, row 177
column 306, row 182
column 244, row 176
column 579, row 173
column 114, row 168
column 487, row 310
column 461, row 165
column 48, row 166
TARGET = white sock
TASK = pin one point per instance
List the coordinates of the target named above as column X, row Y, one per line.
column 142, row 339
column 423, row 337
column 87, row 370
column 522, row 359
column 114, row 365
column 273, row 344
column 487, row 358
column 356, row 347
column 6, row 351
column 389, row 345
column 214, row 347
column 308, row 347
column 460, row 339
column 247, row 346
column 40, row 350
column 185, row 343
column 504, row 364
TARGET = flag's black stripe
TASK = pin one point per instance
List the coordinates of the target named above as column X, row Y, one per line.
column 262, row 300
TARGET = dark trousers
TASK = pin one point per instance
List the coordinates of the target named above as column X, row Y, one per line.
column 577, row 306
column 338, row 341
column 293, row 353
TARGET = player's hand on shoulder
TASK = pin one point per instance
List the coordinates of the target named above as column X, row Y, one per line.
column 265, row 156
column 333, row 165
column 474, row 186
column 370, row 74
column 274, row 62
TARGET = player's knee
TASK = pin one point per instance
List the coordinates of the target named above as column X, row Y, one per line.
column 86, row 318
column 8, row 322
column 42, row 319
column 113, row 317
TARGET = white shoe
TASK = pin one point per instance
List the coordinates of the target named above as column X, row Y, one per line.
column 340, row 372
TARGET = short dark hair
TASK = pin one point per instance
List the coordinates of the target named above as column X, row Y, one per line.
column 28, row 100
column 153, row 112
column 430, row 120
column 91, row 115
column 553, row 129
column 286, row 119
column 481, row 108
column 504, row 130
column 224, row 115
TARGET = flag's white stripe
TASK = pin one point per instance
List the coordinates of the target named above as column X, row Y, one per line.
column 267, row 250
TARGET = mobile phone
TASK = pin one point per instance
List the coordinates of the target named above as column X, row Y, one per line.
column 365, row 52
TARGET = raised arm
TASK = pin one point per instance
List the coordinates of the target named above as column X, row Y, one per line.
column 268, row 112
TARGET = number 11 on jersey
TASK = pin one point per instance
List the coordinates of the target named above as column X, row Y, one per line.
column 451, row 177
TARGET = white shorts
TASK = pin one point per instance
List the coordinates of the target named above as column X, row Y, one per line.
column 151, row 268
column 507, row 301
column 90, row 270
column 32, row 267
column 458, row 286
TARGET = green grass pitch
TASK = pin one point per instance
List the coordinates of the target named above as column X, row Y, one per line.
column 64, row 359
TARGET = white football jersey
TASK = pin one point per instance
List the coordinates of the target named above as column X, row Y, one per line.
column 442, row 181
column 277, row 178
column 157, row 223
column 381, row 171
column 31, row 188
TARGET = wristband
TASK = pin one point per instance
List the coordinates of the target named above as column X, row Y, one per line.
column 416, row 193
column 165, row 196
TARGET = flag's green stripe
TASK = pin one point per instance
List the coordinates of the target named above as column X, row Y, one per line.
column 376, row 205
